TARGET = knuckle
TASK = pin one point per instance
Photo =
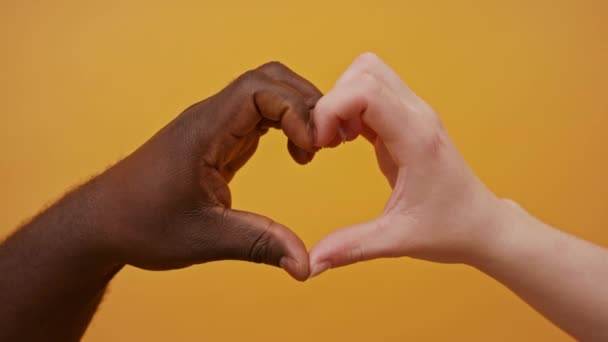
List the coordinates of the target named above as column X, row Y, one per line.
column 261, row 249
column 272, row 67
column 371, row 86
column 367, row 59
column 248, row 81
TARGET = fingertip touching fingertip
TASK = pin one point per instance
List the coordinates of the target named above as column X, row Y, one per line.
column 313, row 130
column 315, row 135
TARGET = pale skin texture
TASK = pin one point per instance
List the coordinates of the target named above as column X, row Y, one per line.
column 440, row 211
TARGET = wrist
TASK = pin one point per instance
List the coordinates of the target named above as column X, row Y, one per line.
column 502, row 236
column 83, row 217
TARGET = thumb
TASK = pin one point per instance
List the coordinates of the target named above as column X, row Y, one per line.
column 347, row 246
column 252, row 237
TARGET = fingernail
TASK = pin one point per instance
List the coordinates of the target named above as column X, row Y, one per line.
column 319, row 268
column 292, row 267
column 342, row 134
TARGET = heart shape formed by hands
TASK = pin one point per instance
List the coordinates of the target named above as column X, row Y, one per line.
column 171, row 203
column 168, row 206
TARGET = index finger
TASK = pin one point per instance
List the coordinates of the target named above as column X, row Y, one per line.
column 283, row 74
column 374, row 94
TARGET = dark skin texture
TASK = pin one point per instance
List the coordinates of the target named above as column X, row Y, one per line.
column 165, row 206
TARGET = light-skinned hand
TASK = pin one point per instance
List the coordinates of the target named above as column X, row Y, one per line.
column 438, row 210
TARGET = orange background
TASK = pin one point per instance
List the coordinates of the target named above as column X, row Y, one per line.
column 521, row 86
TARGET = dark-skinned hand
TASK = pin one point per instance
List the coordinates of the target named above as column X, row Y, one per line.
column 172, row 201
column 165, row 206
